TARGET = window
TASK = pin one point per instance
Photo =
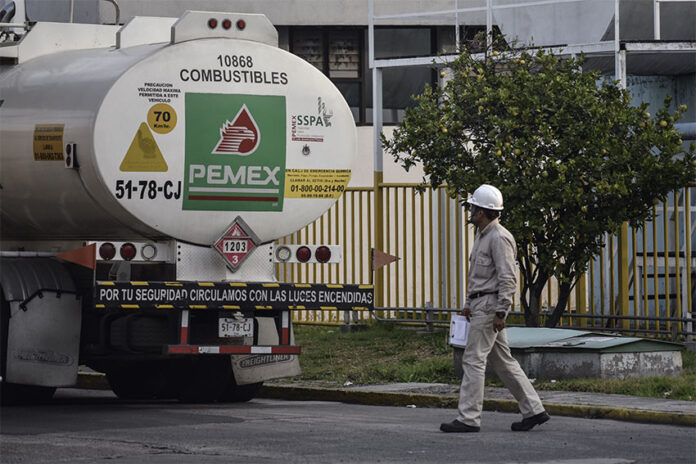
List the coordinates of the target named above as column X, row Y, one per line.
column 341, row 53
column 338, row 53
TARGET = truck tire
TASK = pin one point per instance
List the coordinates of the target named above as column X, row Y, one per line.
column 234, row 393
column 15, row 394
column 140, row 380
column 204, row 378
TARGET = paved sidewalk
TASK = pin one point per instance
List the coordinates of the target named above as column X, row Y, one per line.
column 577, row 404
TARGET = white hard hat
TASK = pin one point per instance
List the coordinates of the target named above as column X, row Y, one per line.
column 487, row 196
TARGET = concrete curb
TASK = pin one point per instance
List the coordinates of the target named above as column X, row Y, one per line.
column 96, row 381
column 500, row 405
column 92, row 381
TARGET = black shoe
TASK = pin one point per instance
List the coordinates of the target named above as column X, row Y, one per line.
column 530, row 422
column 458, row 427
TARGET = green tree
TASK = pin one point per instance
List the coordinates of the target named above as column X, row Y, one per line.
column 572, row 156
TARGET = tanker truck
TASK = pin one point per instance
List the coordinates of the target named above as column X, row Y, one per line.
column 146, row 174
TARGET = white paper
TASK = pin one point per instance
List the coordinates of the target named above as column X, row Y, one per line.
column 459, row 331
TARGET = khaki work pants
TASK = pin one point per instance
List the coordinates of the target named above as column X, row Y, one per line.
column 483, row 344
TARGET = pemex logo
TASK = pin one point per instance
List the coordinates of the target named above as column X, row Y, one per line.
column 240, row 137
column 220, row 174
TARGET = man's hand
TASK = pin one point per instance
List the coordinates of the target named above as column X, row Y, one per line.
column 498, row 323
column 466, row 313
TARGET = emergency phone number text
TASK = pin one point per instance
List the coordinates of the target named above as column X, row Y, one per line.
column 316, row 188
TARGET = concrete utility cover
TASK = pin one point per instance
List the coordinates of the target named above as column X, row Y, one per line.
column 538, row 338
column 562, row 353
column 565, row 353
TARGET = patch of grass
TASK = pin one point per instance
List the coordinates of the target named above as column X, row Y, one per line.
column 381, row 353
column 384, row 353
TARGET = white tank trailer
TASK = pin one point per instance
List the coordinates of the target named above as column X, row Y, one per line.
column 146, row 172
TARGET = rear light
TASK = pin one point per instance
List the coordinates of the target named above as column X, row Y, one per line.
column 148, row 252
column 212, row 23
column 283, row 254
column 226, row 24
column 303, row 254
column 107, row 251
column 128, row 251
column 323, row 254
column 241, row 24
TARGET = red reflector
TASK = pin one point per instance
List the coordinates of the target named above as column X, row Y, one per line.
column 212, row 23
column 241, row 24
column 107, row 251
column 303, row 254
column 323, row 254
column 128, row 251
column 226, row 24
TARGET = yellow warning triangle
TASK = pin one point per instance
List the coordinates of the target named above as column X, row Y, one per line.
column 143, row 154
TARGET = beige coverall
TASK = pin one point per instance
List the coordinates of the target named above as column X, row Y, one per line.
column 492, row 268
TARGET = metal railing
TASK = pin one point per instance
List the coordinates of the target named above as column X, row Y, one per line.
column 429, row 232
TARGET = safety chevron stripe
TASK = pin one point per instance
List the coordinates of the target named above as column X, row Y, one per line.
column 226, row 349
column 183, row 338
column 234, row 307
column 285, row 328
column 136, row 283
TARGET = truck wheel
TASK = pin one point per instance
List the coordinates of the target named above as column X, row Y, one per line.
column 204, row 378
column 234, row 393
column 139, row 381
column 15, row 394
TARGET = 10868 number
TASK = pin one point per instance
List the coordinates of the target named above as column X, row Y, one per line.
column 235, row 61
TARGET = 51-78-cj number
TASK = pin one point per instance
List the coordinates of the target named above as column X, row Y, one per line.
column 229, row 327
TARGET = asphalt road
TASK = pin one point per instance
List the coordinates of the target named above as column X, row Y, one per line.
column 90, row 426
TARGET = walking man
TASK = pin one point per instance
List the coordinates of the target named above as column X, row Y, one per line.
column 491, row 285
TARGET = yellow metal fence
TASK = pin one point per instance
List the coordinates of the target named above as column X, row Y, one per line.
column 643, row 281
